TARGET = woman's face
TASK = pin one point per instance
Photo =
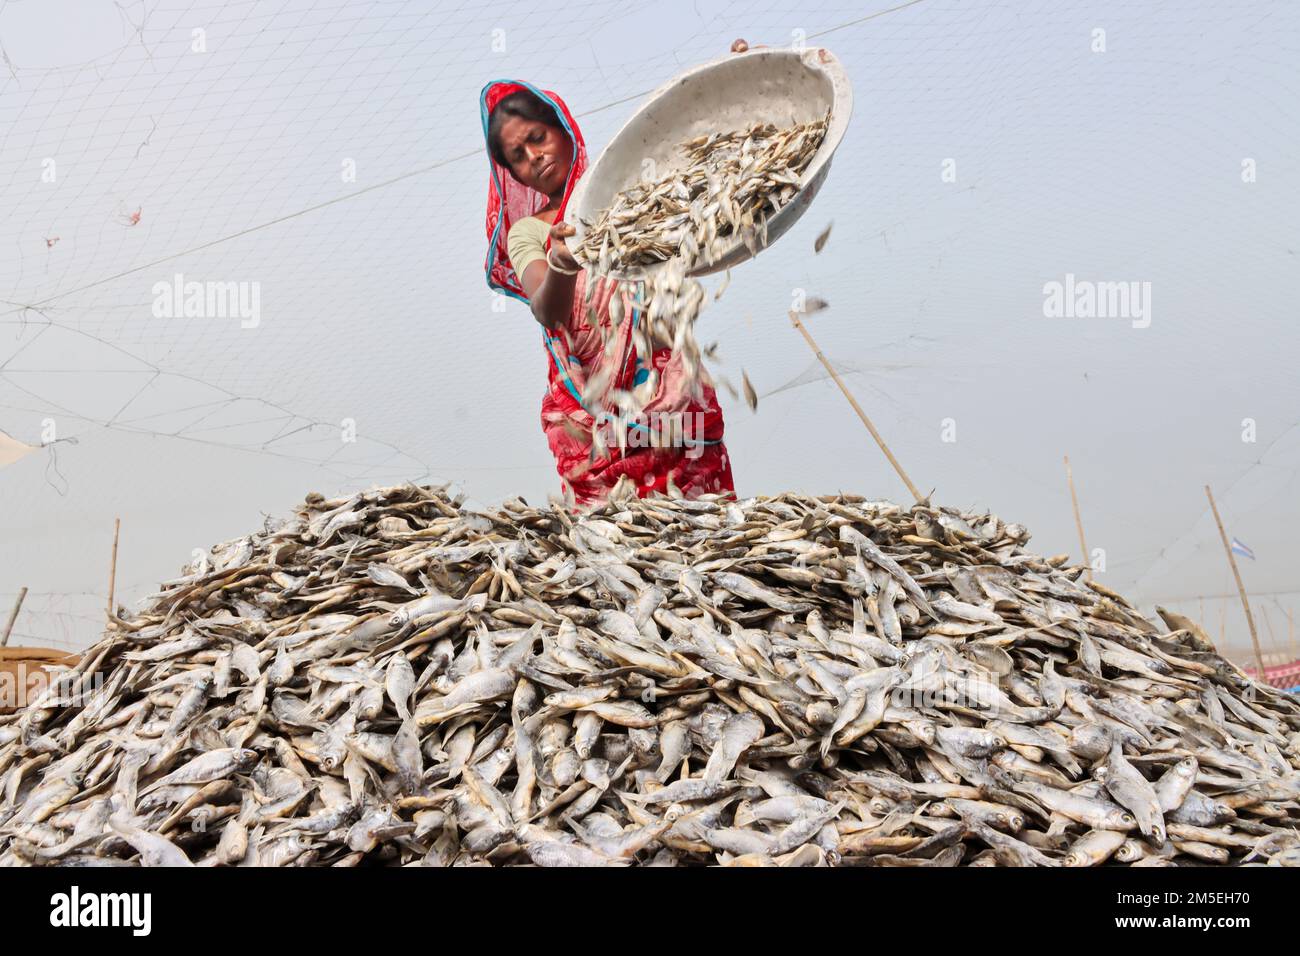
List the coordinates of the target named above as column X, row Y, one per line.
column 539, row 155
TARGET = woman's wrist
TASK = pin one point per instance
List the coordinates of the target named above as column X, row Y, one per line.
column 556, row 267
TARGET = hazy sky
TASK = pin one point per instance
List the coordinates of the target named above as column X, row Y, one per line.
column 994, row 149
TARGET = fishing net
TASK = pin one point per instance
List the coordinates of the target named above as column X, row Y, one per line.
column 333, row 155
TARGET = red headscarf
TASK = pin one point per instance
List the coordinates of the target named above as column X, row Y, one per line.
column 509, row 200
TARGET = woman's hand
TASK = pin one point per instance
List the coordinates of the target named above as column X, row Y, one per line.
column 742, row 46
column 550, row 284
column 559, row 250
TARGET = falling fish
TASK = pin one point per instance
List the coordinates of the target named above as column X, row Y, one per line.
column 720, row 193
column 751, row 396
column 820, row 242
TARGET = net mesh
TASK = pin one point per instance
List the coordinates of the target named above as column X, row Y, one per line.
column 328, row 156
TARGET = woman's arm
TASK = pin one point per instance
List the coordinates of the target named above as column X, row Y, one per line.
column 550, row 293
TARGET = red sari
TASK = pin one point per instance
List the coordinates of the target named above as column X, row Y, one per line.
column 695, row 459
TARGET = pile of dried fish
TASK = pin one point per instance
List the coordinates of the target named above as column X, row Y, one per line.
column 726, row 186
column 392, row 678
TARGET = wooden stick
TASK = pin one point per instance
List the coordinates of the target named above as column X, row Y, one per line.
column 112, row 571
column 1241, row 588
column 13, row 616
column 1078, row 522
column 794, row 317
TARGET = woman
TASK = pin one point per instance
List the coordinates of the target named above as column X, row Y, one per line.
column 537, row 153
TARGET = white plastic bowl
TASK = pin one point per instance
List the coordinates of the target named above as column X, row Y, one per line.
column 781, row 86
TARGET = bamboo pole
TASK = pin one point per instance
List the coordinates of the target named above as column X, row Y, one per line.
column 794, row 317
column 13, row 616
column 112, row 571
column 1241, row 588
column 1078, row 522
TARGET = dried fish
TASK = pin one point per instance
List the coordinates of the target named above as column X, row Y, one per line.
column 788, row 680
column 721, row 191
column 820, row 242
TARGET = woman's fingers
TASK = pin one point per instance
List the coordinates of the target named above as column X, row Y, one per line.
column 561, row 230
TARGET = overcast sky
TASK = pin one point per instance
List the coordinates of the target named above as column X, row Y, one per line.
column 994, row 149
